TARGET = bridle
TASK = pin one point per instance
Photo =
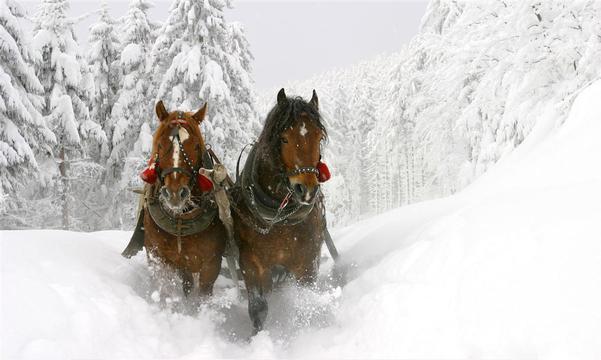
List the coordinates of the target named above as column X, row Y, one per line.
column 191, row 171
column 304, row 170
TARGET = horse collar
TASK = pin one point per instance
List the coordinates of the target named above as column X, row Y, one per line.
column 264, row 206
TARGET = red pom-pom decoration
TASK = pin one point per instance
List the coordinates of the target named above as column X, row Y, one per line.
column 204, row 183
column 324, row 172
column 149, row 175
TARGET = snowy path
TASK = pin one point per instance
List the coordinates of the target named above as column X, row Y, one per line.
column 511, row 267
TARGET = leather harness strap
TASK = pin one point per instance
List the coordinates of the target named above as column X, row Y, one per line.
column 264, row 208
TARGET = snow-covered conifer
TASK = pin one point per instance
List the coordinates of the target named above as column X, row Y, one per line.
column 65, row 80
column 205, row 59
column 132, row 115
column 103, row 58
column 23, row 131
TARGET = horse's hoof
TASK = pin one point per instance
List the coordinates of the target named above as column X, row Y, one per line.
column 279, row 274
column 257, row 310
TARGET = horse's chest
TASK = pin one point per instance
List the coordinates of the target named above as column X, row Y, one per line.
column 188, row 251
column 285, row 246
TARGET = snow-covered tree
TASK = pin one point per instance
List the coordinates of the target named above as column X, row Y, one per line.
column 205, row 59
column 132, row 115
column 466, row 91
column 65, row 80
column 103, row 58
column 23, row 131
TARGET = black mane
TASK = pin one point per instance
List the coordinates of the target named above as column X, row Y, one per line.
column 283, row 116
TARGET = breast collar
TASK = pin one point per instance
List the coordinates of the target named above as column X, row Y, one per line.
column 265, row 207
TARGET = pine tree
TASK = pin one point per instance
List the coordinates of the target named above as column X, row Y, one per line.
column 103, row 58
column 63, row 75
column 23, row 131
column 205, row 59
column 132, row 114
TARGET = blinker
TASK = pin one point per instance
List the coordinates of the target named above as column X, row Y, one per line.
column 149, row 175
column 324, row 172
column 204, row 183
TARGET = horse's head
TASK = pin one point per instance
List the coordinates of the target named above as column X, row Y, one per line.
column 296, row 131
column 178, row 147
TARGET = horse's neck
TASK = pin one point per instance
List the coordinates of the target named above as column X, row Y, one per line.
column 269, row 177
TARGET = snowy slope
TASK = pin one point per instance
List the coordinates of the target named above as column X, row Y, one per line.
column 510, row 267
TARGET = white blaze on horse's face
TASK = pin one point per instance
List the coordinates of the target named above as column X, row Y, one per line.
column 183, row 136
column 303, row 130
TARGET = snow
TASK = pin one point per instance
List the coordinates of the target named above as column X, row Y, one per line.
column 132, row 55
column 508, row 268
column 214, row 81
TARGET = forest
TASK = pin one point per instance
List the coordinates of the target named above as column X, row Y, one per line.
column 418, row 124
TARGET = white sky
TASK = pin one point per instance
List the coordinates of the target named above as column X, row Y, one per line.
column 292, row 40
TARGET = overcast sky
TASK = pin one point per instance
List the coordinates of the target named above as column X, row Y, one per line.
column 292, row 40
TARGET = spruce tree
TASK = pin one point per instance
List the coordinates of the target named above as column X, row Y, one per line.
column 65, row 80
column 205, row 59
column 23, row 131
column 132, row 114
column 103, row 58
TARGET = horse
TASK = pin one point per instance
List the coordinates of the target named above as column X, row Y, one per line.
column 279, row 214
column 181, row 226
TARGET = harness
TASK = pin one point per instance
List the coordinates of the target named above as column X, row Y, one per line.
column 200, row 217
column 264, row 208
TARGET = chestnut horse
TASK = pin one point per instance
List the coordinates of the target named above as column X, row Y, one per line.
column 279, row 216
column 181, row 228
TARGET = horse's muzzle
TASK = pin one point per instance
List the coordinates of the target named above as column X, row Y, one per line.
column 304, row 194
column 175, row 199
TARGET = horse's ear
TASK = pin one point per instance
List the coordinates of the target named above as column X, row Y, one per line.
column 282, row 99
column 314, row 101
column 162, row 113
column 200, row 114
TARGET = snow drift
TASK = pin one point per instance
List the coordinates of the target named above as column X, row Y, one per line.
column 510, row 267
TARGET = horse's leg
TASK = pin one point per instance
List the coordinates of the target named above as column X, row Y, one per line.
column 187, row 281
column 258, row 282
column 279, row 274
column 162, row 274
column 208, row 274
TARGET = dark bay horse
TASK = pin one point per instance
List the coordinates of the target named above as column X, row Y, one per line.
column 278, row 207
column 181, row 228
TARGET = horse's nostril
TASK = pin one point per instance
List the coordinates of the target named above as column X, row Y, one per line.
column 184, row 193
column 300, row 189
column 165, row 193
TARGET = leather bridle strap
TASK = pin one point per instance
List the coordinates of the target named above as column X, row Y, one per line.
column 168, row 171
column 303, row 170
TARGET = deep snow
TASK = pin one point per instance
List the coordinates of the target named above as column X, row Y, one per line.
column 510, row 267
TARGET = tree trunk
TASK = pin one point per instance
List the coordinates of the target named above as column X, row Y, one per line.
column 65, row 188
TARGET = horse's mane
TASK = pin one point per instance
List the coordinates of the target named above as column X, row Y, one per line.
column 283, row 116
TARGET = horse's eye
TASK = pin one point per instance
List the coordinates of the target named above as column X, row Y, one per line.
column 284, row 140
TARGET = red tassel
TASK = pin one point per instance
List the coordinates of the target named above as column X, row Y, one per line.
column 204, row 183
column 324, row 172
column 149, row 175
